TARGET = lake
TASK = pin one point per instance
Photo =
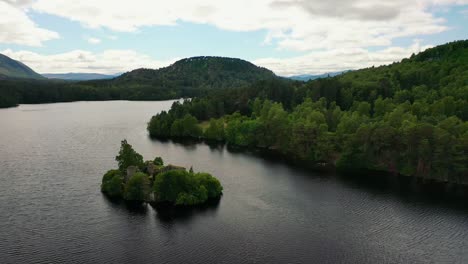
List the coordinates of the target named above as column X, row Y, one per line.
column 53, row 156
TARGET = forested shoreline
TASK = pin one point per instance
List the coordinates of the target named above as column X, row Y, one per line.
column 15, row 92
column 407, row 118
column 185, row 78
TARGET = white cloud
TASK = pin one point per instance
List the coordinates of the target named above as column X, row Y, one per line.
column 337, row 60
column 114, row 61
column 301, row 25
column 334, row 34
column 94, row 41
column 17, row 28
column 106, row 62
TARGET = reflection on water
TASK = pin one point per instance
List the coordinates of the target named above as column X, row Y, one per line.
column 52, row 210
column 169, row 213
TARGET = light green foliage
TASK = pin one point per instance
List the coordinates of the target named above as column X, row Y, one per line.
column 408, row 118
column 215, row 130
column 184, row 188
column 242, row 132
column 273, row 125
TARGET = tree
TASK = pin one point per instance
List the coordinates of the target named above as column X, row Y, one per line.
column 112, row 184
column 273, row 125
column 210, row 183
column 137, row 187
column 405, row 118
column 158, row 161
column 186, row 127
column 215, row 130
column 128, row 157
column 184, row 188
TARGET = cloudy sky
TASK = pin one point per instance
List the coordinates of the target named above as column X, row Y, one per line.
column 288, row 36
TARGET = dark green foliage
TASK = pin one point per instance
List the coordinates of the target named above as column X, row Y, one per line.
column 8, row 97
column 199, row 73
column 158, row 161
column 128, row 157
column 186, row 78
column 408, row 118
column 137, row 188
column 185, row 188
column 112, row 184
column 172, row 184
column 211, row 184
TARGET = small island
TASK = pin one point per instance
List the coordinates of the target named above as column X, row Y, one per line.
column 150, row 181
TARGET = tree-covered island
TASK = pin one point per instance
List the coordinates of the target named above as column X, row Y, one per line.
column 151, row 181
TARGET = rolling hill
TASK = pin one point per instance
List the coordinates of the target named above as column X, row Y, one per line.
column 443, row 67
column 198, row 73
column 10, row 68
column 185, row 78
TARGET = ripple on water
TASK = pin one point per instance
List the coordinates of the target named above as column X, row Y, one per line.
column 52, row 158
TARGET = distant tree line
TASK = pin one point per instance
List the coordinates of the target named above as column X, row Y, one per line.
column 185, row 78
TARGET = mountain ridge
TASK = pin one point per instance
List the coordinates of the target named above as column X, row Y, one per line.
column 308, row 77
column 79, row 76
column 10, row 68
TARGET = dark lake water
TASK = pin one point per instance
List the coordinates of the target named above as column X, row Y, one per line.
column 52, row 158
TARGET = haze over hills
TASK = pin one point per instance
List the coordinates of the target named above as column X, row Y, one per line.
column 308, row 77
column 10, row 68
column 74, row 76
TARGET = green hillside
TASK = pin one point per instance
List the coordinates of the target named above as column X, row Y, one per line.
column 10, row 68
column 198, row 73
column 185, row 78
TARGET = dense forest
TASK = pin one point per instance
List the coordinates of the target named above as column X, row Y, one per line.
column 185, row 78
column 407, row 118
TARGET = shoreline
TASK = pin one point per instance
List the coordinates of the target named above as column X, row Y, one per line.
column 416, row 182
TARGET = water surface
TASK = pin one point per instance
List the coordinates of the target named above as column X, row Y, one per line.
column 52, row 158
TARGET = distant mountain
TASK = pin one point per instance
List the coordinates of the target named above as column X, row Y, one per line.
column 72, row 76
column 198, row 73
column 308, row 77
column 10, row 68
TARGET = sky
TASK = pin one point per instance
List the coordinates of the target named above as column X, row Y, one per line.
column 290, row 37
